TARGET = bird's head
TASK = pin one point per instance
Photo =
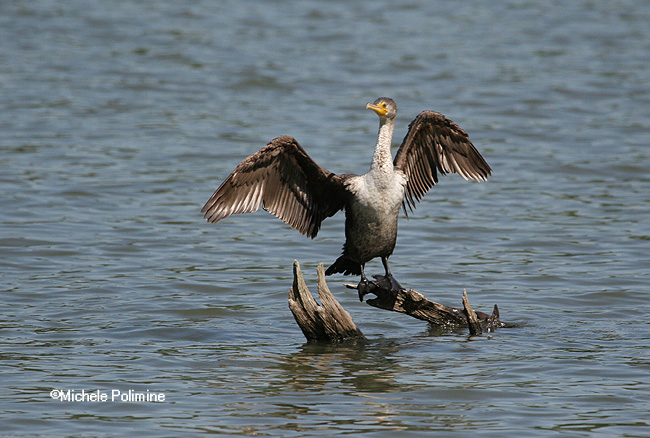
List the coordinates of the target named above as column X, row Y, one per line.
column 385, row 107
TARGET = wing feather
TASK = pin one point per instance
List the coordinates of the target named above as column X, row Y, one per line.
column 435, row 144
column 286, row 182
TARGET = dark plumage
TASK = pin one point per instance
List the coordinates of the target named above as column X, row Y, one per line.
column 286, row 182
column 432, row 143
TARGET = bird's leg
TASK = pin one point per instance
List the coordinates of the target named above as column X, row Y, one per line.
column 394, row 285
column 365, row 286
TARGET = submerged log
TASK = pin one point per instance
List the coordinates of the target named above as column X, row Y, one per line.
column 330, row 322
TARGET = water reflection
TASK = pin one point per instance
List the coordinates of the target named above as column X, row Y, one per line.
column 333, row 386
column 362, row 366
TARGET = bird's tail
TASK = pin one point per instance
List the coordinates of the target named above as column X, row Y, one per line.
column 345, row 266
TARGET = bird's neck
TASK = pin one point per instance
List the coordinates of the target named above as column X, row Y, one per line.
column 382, row 160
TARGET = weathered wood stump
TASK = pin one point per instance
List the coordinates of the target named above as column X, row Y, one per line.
column 326, row 322
column 330, row 322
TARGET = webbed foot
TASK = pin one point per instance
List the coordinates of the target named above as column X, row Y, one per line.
column 365, row 287
column 394, row 285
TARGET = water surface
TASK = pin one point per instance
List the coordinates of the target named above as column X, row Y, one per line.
column 118, row 119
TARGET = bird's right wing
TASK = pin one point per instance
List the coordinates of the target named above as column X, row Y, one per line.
column 286, row 182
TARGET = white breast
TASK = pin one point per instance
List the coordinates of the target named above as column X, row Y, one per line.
column 382, row 192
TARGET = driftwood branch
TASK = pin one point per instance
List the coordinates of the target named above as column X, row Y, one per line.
column 472, row 318
column 331, row 322
column 413, row 303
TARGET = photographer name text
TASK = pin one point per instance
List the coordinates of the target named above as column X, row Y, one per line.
column 113, row 395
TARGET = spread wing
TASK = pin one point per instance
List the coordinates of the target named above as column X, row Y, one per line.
column 434, row 144
column 286, row 182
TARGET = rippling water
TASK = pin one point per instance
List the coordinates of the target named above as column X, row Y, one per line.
column 119, row 118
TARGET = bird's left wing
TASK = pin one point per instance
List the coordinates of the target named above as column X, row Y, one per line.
column 286, row 182
column 434, row 144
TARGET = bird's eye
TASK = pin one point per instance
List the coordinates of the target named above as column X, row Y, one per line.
column 383, row 104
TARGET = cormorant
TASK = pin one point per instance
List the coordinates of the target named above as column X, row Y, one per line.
column 286, row 182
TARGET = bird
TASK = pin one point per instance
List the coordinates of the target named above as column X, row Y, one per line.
column 283, row 179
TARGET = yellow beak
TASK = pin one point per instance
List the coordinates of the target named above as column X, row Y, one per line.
column 380, row 110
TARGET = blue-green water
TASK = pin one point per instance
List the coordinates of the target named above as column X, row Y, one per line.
column 119, row 118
